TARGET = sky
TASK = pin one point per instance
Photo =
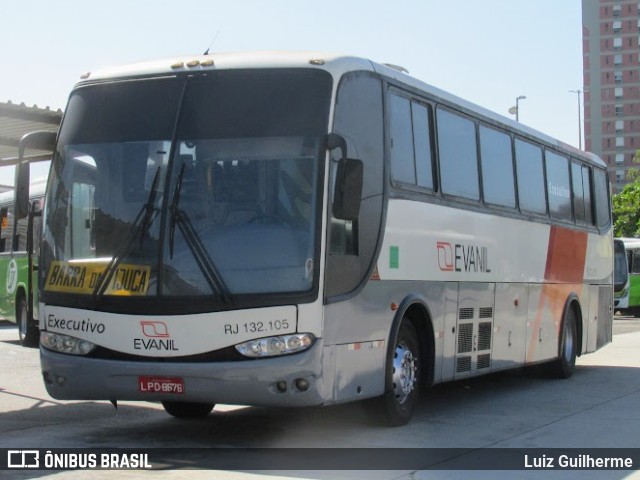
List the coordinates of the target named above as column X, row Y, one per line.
column 486, row 51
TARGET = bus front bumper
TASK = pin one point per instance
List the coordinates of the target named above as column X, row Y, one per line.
column 290, row 380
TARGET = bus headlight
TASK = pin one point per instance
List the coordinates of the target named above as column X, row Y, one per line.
column 65, row 344
column 272, row 346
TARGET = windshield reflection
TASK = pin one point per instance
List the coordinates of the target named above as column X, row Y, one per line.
column 220, row 204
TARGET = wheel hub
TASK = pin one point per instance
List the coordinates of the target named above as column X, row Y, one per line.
column 404, row 372
column 568, row 344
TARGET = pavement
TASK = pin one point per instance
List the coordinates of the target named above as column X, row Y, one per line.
column 597, row 408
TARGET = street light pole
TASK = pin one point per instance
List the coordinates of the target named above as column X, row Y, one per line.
column 521, row 97
column 516, row 110
column 579, row 118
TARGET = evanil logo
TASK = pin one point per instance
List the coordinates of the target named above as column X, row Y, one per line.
column 459, row 257
column 12, row 277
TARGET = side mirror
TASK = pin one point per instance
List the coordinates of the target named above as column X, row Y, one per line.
column 40, row 140
column 348, row 189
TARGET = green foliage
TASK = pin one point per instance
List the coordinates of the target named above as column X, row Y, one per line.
column 633, row 174
column 626, row 211
column 626, row 204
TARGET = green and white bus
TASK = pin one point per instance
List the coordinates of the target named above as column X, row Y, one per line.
column 629, row 303
column 18, row 264
column 297, row 229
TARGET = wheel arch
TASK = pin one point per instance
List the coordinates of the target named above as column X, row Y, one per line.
column 416, row 310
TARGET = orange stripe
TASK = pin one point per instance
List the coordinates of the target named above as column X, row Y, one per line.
column 566, row 256
column 564, row 274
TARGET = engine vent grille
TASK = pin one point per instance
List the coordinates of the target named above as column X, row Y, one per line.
column 484, row 336
column 484, row 361
column 463, row 364
column 465, row 338
column 486, row 312
column 465, row 313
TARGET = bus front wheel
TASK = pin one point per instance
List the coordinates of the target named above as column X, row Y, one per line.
column 403, row 377
column 187, row 409
column 28, row 333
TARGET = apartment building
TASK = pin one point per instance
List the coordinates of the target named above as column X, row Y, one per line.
column 611, row 56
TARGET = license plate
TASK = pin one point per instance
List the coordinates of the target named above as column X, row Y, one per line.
column 161, row 385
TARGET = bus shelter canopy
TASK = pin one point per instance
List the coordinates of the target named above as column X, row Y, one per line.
column 17, row 120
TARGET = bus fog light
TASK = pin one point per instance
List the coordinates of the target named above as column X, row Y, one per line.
column 273, row 346
column 281, row 386
column 302, row 384
column 65, row 344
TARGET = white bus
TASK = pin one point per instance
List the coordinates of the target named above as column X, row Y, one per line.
column 304, row 229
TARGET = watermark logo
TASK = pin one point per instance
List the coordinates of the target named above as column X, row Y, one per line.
column 23, row 459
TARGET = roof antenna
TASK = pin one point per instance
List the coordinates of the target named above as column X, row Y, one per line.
column 206, row 52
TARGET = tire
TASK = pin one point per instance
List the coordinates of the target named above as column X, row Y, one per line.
column 187, row 409
column 28, row 333
column 564, row 365
column 403, row 378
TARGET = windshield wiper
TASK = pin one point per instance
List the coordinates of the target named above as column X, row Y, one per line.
column 140, row 227
column 199, row 251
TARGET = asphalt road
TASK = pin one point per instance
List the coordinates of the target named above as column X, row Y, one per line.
column 596, row 408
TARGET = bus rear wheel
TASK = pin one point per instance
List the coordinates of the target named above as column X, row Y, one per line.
column 565, row 364
column 28, row 333
column 187, row 409
column 403, row 377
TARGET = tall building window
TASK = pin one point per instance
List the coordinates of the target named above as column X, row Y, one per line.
column 619, row 92
column 619, row 126
column 617, row 26
column 619, row 158
column 617, row 43
column 617, row 59
column 619, row 110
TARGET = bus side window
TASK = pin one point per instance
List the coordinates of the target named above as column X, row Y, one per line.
column 581, row 181
column 496, row 159
column 20, row 238
column 558, row 186
column 458, row 151
column 636, row 262
column 4, row 228
column 530, row 175
column 358, row 119
column 410, row 145
column 603, row 207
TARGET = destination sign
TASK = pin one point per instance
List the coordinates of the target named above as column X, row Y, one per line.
column 82, row 277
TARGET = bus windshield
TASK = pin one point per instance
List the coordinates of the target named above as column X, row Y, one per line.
column 620, row 270
column 181, row 187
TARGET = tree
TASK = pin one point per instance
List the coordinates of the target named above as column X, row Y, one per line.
column 626, row 211
column 626, row 205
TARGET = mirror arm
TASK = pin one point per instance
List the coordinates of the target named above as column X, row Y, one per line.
column 40, row 140
column 335, row 140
